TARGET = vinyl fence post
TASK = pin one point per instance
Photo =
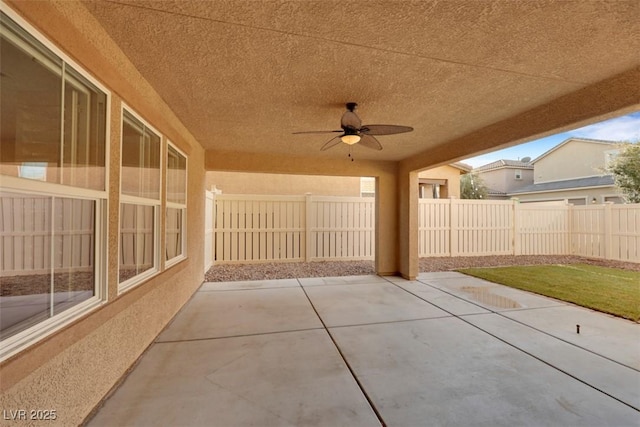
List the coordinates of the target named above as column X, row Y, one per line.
column 569, row 248
column 515, row 242
column 453, row 226
column 212, row 224
column 608, row 226
column 307, row 226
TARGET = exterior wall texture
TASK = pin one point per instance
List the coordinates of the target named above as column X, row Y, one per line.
column 74, row 368
column 561, row 163
column 281, row 184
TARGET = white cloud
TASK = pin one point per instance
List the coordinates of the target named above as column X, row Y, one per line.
column 626, row 128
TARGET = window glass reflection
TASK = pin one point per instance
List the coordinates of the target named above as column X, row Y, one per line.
column 140, row 159
column 61, row 131
column 46, row 255
column 136, row 240
column 176, row 176
column 174, row 225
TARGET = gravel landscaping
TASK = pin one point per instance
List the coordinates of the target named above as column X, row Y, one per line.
column 290, row 270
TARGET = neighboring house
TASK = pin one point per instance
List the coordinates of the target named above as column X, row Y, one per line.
column 436, row 183
column 504, row 176
column 574, row 172
column 441, row 182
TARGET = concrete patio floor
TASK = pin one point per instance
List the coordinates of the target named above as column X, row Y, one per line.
column 446, row 349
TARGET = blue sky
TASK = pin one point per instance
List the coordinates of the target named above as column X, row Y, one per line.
column 624, row 128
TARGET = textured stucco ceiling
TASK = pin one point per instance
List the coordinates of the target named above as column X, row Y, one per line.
column 243, row 75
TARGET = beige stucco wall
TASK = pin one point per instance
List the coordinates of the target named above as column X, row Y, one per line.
column 73, row 369
column 574, row 159
column 601, row 194
column 283, row 184
column 286, row 184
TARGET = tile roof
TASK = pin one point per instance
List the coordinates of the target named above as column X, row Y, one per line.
column 569, row 184
column 503, row 163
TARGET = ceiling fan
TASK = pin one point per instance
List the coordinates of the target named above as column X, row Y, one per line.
column 353, row 132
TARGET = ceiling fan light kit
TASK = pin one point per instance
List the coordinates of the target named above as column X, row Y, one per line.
column 350, row 139
column 353, row 132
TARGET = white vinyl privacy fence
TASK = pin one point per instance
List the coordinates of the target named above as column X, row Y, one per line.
column 456, row 227
column 609, row 231
column 312, row 228
column 473, row 228
column 292, row 228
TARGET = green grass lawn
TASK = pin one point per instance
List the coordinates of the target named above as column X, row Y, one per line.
column 604, row 289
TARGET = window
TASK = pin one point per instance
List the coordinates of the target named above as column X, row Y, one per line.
column 613, row 199
column 518, row 174
column 579, row 201
column 176, row 211
column 139, row 201
column 52, row 191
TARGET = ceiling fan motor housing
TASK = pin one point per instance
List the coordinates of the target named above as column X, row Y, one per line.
column 350, row 121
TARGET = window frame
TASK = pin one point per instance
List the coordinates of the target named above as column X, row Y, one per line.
column 21, row 185
column 134, row 281
column 174, row 205
column 517, row 175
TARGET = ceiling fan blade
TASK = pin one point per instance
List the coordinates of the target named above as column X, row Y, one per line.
column 369, row 142
column 384, row 129
column 318, row 131
column 331, row 143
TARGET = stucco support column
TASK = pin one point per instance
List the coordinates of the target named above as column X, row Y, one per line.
column 386, row 235
column 408, row 224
